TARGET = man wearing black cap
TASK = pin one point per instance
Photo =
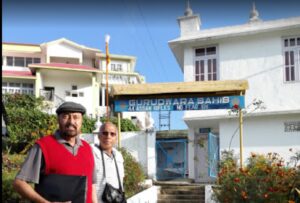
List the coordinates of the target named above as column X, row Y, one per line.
column 61, row 165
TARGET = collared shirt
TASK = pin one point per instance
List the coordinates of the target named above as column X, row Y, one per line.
column 34, row 163
column 110, row 170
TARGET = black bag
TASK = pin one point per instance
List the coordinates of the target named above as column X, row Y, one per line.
column 111, row 194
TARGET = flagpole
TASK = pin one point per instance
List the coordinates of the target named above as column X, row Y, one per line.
column 107, row 37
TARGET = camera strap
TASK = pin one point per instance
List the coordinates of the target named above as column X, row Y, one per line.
column 103, row 163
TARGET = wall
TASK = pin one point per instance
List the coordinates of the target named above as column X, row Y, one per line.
column 142, row 147
column 63, row 81
column 262, row 134
column 257, row 59
column 64, row 50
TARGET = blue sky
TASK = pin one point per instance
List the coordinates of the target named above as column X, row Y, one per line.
column 140, row 28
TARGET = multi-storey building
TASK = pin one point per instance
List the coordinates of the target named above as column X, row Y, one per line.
column 63, row 70
column 267, row 55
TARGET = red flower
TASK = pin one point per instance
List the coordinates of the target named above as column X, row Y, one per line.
column 236, row 106
column 236, row 180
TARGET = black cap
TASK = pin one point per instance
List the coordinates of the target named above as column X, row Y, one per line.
column 70, row 107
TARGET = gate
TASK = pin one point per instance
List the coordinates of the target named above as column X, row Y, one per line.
column 213, row 155
column 171, row 159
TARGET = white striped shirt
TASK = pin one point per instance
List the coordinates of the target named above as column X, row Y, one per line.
column 110, row 170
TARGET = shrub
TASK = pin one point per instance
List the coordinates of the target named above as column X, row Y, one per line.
column 26, row 121
column 10, row 166
column 126, row 124
column 263, row 179
column 134, row 174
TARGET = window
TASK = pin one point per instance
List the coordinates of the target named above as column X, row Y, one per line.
column 28, row 61
column 206, row 64
column 116, row 67
column 292, row 126
column 21, row 61
column 119, row 67
column 10, row 61
column 15, row 87
column 113, row 67
column 291, row 59
column 36, row 60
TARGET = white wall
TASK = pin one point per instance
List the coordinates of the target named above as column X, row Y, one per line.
column 146, row 196
column 261, row 134
column 63, row 81
column 142, row 147
column 257, row 59
column 64, row 50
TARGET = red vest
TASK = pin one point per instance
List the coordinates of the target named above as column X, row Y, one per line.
column 58, row 160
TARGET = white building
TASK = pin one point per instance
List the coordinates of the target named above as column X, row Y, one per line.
column 63, row 70
column 267, row 54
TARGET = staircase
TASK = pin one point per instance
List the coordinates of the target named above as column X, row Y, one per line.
column 180, row 193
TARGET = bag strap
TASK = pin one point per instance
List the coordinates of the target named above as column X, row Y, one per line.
column 103, row 163
column 120, row 186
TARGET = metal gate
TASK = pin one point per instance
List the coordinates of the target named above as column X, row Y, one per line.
column 171, row 159
column 213, row 155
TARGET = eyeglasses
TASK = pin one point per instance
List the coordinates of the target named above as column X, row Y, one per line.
column 112, row 134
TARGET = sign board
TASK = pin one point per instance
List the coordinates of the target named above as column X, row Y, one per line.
column 179, row 104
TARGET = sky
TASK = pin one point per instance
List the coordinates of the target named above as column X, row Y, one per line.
column 140, row 28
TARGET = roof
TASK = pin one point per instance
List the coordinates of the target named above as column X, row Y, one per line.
column 18, row 74
column 177, row 45
column 74, row 44
column 64, row 66
column 244, row 29
column 171, row 134
column 221, row 87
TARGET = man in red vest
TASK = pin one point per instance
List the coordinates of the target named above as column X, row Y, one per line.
column 61, row 165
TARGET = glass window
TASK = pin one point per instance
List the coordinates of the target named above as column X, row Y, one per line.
column 206, row 64
column 74, row 87
column 211, row 50
column 9, row 61
column 292, row 42
column 113, row 67
column 291, row 59
column 200, row 52
column 36, row 60
column 28, row 61
column 20, row 61
column 68, row 93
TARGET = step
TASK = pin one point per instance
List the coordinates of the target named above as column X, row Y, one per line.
column 181, row 191
column 180, row 197
column 180, row 201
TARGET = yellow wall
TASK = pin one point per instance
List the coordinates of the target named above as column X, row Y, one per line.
column 21, row 48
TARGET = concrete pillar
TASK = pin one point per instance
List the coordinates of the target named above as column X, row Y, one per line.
column 38, row 83
column 191, row 152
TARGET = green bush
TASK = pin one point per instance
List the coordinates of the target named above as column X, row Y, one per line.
column 126, row 124
column 264, row 179
column 10, row 167
column 26, row 121
column 134, row 174
column 88, row 125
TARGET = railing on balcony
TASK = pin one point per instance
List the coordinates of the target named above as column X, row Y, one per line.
column 47, row 94
column 53, row 100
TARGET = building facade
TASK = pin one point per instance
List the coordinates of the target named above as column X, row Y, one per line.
column 267, row 55
column 62, row 70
